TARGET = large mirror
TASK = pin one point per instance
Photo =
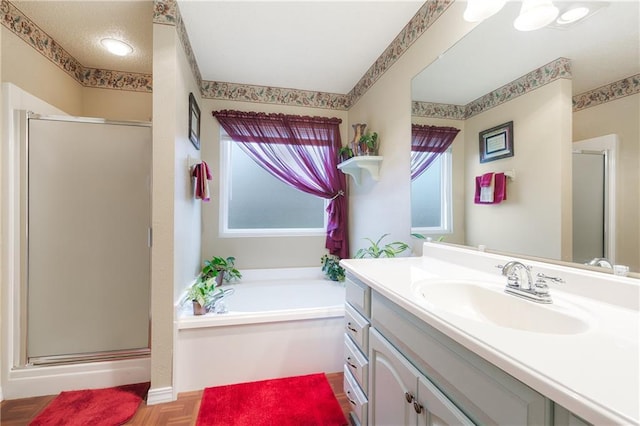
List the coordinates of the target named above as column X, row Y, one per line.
column 537, row 80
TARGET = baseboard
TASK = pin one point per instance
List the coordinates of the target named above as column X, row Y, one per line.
column 1, row 394
column 160, row 395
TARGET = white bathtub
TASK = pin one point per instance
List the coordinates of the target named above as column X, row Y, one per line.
column 279, row 323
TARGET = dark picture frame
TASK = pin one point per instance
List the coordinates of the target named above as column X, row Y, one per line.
column 194, row 121
column 496, row 142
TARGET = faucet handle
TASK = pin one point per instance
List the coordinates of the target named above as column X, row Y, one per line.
column 556, row 280
column 541, row 287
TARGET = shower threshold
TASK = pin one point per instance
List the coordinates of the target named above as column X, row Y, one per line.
column 88, row 357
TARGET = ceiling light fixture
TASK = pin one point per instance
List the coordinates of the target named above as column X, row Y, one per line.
column 479, row 10
column 117, row 47
column 535, row 14
column 573, row 15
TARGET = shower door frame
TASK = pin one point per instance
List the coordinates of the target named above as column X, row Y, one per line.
column 607, row 146
column 21, row 350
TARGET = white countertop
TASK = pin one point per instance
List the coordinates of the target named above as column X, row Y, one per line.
column 594, row 374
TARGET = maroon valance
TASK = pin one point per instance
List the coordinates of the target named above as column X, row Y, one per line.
column 427, row 143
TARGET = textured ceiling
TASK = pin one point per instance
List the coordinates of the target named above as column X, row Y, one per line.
column 78, row 26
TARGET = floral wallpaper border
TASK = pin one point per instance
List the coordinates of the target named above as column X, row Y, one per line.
column 554, row 70
column 19, row 24
column 610, row 92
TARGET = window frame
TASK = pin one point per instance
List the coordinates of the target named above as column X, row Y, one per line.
column 225, row 193
column 446, row 201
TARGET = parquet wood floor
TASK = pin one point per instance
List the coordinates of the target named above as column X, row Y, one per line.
column 183, row 411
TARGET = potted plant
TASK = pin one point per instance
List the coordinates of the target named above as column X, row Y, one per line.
column 332, row 268
column 202, row 294
column 204, row 291
column 345, row 153
column 222, row 269
column 368, row 144
column 375, row 250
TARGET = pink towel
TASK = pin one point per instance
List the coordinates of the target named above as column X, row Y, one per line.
column 499, row 187
column 202, row 174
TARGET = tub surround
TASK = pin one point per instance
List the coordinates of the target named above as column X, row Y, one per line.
column 280, row 323
column 591, row 370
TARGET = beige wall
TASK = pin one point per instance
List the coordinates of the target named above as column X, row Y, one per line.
column 383, row 207
column 620, row 117
column 534, row 218
column 116, row 104
column 259, row 252
column 23, row 66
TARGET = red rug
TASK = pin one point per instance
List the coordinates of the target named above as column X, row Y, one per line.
column 292, row 401
column 95, row 407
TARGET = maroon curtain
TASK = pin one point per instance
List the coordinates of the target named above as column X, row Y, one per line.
column 427, row 143
column 302, row 152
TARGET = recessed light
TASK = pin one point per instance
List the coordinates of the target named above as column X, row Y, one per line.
column 573, row 15
column 117, row 47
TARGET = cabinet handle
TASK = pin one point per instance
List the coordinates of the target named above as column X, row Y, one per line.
column 350, row 400
column 417, row 407
column 408, row 397
column 351, row 328
column 348, row 361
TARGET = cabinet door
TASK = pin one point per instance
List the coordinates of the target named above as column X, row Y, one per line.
column 437, row 409
column 392, row 385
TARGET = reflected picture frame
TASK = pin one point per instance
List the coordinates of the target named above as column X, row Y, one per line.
column 496, row 143
column 194, row 121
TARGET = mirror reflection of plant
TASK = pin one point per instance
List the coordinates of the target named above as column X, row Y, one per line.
column 331, row 267
column 375, row 250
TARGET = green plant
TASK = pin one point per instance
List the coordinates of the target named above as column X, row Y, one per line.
column 345, row 153
column 203, row 291
column 370, row 140
column 424, row 237
column 218, row 265
column 332, row 268
column 375, row 250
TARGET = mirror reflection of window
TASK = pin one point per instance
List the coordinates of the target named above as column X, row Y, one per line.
column 431, row 209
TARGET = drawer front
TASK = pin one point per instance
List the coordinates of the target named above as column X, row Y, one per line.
column 358, row 295
column 357, row 327
column 356, row 362
column 357, row 399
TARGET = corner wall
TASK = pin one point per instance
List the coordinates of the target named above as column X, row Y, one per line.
column 383, row 207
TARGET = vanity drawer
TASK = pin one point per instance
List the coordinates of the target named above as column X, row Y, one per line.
column 356, row 362
column 357, row 327
column 356, row 397
column 358, row 295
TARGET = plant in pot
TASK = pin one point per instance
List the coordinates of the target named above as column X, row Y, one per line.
column 375, row 250
column 206, row 289
column 368, row 144
column 222, row 269
column 331, row 267
column 345, row 153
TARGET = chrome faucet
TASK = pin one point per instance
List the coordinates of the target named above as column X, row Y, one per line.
column 600, row 261
column 520, row 282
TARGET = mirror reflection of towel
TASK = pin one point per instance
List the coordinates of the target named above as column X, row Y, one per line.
column 202, row 174
column 491, row 188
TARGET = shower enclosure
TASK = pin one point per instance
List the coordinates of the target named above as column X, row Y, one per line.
column 86, row 261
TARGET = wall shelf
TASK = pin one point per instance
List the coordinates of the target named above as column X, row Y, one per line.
column 355, row 165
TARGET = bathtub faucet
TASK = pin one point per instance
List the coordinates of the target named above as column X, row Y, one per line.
column 217, row 307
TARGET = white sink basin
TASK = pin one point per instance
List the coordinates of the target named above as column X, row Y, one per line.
column 488, row 304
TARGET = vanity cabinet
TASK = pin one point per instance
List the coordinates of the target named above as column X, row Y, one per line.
column 356, row 348
column 399, row 394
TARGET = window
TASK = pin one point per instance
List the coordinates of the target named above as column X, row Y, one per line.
column 431, row 210
column 254, row 203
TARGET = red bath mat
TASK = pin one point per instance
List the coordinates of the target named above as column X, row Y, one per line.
column 292, row 401
column 95, row 407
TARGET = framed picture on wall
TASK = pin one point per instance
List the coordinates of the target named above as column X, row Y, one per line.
column 496, row 142
column 194, row 121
